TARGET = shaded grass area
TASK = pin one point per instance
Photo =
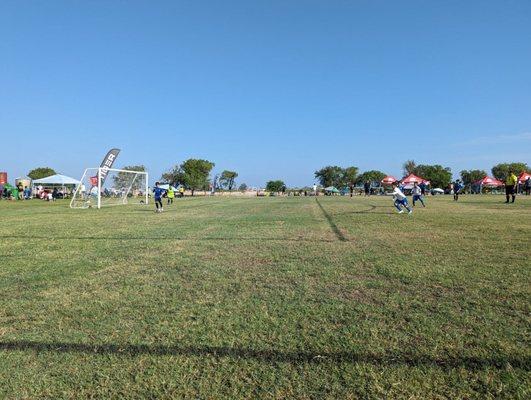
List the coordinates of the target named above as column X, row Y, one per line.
column 266, row 297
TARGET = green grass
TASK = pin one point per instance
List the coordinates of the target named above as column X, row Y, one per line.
column 266, row 298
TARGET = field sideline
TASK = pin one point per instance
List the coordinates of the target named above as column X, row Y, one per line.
column 266, row 298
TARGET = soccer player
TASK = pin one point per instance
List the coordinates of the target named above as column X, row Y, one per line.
column 400, row 199
column 170, row 194
column 510, row 187
column 157, row 194
column 417, row 194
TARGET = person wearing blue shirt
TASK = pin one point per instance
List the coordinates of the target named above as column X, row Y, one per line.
column 158, row 192
column 457, row 188
column 422, row 187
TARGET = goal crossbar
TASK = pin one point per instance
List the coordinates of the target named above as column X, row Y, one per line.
column 124, row 184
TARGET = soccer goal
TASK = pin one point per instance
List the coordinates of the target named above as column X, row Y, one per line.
column 101, row 187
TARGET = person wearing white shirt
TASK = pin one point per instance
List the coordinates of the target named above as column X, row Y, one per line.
column 400, row 199
column 417, row 194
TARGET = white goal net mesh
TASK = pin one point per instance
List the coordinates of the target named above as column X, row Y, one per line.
column 100, row 187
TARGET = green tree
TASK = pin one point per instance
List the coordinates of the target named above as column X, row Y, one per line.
column 470, row 176
column 174, row 176
column 196, row 173
column 41, row 172
column 227, row 178
column 371, row 176
column 500, row 171
column 408, row 167
column 193, row 174
column 438, row 175
column 330, row 176
column 275, row 186
column 350, row 176
column 243, row 187
column 122, row 180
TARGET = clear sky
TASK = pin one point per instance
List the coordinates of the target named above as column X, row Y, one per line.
column 270, row 89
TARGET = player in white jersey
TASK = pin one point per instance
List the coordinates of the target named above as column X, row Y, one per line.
column 400, row 199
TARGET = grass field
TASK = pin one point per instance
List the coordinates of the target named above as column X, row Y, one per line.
column 266, row 298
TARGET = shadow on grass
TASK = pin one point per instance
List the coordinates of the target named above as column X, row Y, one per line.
column 369, row 210
column 271, row 356
column 332, row 224
column 185, row 205
column 176, row 238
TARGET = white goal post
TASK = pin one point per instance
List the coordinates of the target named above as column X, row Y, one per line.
column 101, row 187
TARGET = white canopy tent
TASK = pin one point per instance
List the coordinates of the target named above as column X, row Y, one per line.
column 166, row 186
column 54, row 181
column 57, row 179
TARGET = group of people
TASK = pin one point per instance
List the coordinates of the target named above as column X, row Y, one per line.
column 511, row 187
column 159, row 193
column 400, row 199
column 401, row 202
column 16, row 193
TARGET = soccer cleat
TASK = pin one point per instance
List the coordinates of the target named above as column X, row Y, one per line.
column 401, row 211
column 410, row 212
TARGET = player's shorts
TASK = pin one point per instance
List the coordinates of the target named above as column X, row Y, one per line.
column 417, row 197
column 403, row 202
column 509, row 189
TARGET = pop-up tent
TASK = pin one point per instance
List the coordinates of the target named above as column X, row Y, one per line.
column 523, row 177
column 412, row 178
column 489, row 182
column 166, row 186
column 59, row 180
column 388, row 180
column 331, row 189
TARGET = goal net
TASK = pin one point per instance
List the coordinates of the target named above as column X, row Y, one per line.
column 101, row 187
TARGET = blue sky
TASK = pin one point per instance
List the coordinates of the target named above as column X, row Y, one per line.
column 271, row 89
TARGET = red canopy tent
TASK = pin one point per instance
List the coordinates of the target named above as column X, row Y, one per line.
column 412, row 178
column 488, row 181
column 388, row 180
column 523, row 177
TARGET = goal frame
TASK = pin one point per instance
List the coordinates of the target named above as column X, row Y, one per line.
column 107, row 170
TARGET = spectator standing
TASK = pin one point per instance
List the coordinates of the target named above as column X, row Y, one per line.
column 367, row 188
column 527, row 186
column 457, row 188
column 422, row 187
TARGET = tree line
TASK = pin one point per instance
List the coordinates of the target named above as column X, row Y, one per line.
column 442, row 176
column 194, row 175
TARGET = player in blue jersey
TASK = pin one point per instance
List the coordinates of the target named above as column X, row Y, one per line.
column 158, row 192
